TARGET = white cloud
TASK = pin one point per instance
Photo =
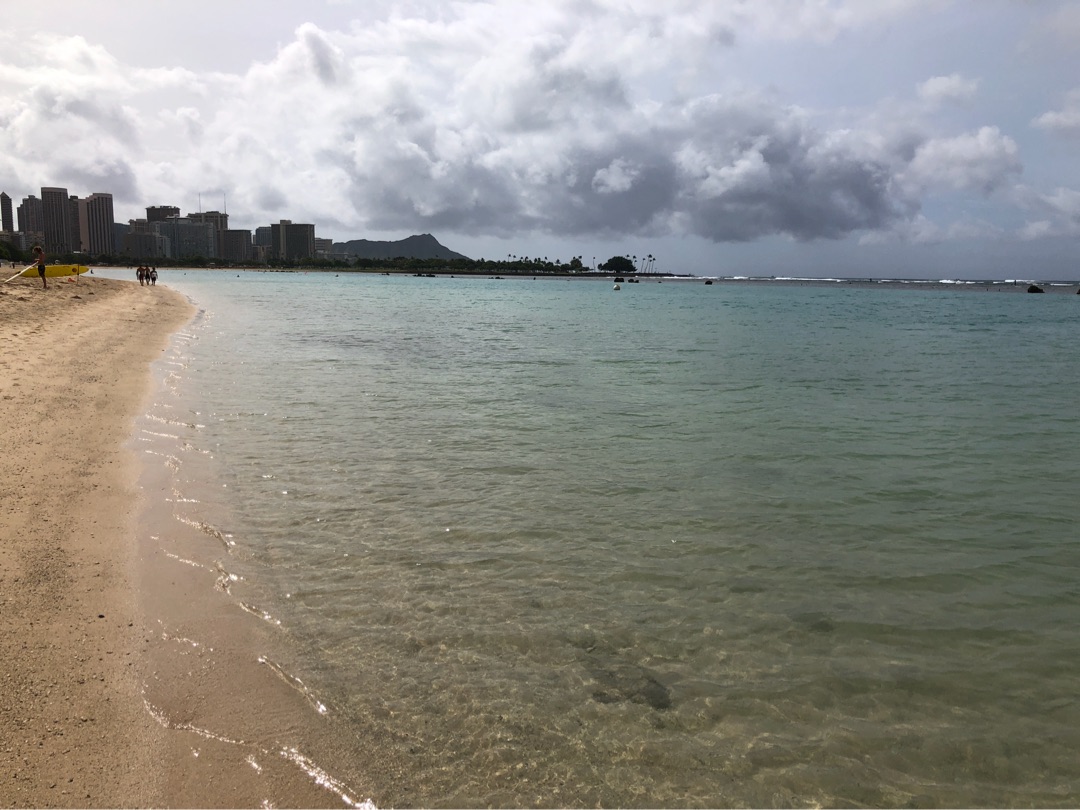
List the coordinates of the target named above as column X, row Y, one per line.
column 1058, row 212
column 952, row 89
column 1066, row 121
column 818, row 20
column 982, row 161
column 617, row 176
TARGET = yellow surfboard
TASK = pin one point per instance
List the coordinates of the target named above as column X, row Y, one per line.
column 55, row 270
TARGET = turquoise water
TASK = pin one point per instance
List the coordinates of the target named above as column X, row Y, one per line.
column 544, row 543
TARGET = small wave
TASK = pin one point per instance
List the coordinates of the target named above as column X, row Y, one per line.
column 225, row 578
column 161, row 435
column 288, row 753
column 323, row 779
column 206, row 528
column 262, row 614
column 164, row 721
column 296, row 684
column 185, row 561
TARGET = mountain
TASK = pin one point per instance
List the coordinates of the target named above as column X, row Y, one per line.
column 423, row 246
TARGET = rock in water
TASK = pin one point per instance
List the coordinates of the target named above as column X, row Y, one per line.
column 627, row 682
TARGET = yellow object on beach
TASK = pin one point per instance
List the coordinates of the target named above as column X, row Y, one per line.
column 55, row 270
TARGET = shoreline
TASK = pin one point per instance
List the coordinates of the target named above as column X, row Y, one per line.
column 130, row 675
column 75, row 370
column 241, row 727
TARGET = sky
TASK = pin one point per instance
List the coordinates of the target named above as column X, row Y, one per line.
column 821, row 138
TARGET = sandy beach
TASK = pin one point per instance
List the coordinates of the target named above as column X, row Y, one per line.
column 74, row 368
column 105, row 699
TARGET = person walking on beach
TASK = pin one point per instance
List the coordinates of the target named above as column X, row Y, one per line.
column 153, row 276
column 39, row 257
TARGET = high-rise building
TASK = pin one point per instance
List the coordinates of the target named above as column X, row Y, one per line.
column 76, row 210
column 119, row 231
column 32, row 219
column 97, row 222
column 57, row 213
column 219, row 221
column 139, row 242
column 236, row 246
column 160, row 213
column 264, row 236
column 187, row 239
column 6, row 222
column 292, row 241
column 14, row 238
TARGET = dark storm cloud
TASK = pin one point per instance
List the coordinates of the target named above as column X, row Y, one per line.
column 115, row 176
column 724, row 170
column 750, row 170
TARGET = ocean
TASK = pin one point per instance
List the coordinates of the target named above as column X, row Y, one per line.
column 543, row 543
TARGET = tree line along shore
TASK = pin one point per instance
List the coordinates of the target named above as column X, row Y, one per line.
column 616, row 265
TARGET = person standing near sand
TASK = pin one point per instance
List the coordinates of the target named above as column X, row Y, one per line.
column 153, row 276
column 39, row 257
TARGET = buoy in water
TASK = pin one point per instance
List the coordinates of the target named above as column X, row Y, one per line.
column 617, row 287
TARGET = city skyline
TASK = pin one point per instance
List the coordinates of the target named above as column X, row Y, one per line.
column 64, row 223
column 915, row 137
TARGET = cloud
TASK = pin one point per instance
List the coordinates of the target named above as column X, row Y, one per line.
column 1058, row 212
column 618, row 176
column 817, row 21
column 982, row 161
column 952, row 89
column 497, row 119
column 1064, row 122
column 749, row 170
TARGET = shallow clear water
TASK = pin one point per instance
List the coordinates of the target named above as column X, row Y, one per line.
column 543, row 543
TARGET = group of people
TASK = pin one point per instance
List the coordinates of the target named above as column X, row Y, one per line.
column 146, row 275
